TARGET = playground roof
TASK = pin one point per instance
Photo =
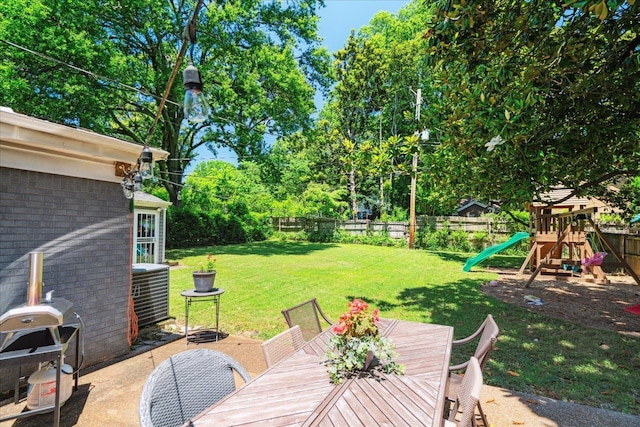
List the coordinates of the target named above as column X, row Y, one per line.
column 556, row 194
column 551, row 198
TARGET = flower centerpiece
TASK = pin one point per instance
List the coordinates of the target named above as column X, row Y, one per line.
column 357, row 348
column 204, row 278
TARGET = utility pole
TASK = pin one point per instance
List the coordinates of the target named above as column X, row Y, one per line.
column 383, row 206
column 414, row 172
column 412, row 204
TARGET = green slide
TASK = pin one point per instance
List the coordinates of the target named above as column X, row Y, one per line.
column 494, row 249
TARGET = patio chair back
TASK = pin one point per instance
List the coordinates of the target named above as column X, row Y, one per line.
column 282, row 345
column 468, row 396
column 489, row 336
column 488, row 333
column 185, row 385
column 308, row 316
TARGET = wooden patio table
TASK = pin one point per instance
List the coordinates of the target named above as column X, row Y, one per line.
column 297, row 391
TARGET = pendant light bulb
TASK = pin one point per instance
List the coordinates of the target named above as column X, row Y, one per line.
column 146, row 163
column 196, row 109
column 137, row 182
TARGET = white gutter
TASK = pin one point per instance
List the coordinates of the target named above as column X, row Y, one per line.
column 33, row 144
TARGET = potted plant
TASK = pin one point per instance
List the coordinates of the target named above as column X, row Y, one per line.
column 204, row 278
column 357, row 348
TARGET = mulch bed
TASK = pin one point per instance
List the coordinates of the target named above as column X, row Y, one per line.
column 594, row 305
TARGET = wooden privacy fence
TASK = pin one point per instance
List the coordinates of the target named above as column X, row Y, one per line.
column 395, row 230
column 628, row 245
column 627, row 242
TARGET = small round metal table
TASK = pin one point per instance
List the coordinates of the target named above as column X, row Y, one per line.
column 195, row 296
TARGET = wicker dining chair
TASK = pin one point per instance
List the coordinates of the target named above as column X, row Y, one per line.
column 488, row 333
column 308, row 316
column 462, row 414
column 282, row 345
column 185, row 385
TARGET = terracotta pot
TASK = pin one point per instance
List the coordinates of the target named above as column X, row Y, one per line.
column 203, row 280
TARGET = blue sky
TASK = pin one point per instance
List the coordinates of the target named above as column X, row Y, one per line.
column 337, row 19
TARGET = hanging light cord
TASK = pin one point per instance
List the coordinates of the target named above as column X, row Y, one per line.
column 83, row 71
column 190, row 31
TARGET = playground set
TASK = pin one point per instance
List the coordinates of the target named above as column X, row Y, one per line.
column 563, row 246
column 564, row 243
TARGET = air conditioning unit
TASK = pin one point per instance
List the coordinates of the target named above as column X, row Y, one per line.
column 150, row 293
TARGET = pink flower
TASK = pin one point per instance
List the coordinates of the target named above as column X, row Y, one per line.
column 358, row 321
column 210, row 264
column 339, row 328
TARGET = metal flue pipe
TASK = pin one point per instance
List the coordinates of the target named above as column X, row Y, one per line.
column 34, row 287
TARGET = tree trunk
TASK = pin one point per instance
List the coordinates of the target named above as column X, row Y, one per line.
column 383, row 205
column 352, row 190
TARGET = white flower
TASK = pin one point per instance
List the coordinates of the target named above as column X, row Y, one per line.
column 496, row 140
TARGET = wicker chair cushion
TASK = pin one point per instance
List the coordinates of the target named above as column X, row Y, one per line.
column 185, row 385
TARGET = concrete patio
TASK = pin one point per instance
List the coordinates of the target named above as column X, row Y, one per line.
column 108, row 395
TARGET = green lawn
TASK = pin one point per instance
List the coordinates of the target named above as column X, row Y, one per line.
column 534, row 353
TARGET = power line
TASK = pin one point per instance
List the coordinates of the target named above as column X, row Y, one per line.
column 132, row 88
column 124, row 85
column 82, row 70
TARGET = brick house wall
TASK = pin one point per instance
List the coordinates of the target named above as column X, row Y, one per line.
column 61, row 194
column 82, row 227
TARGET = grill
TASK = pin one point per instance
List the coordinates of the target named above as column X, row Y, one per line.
column 29, row 328
column 48, row 315
column 39, row 332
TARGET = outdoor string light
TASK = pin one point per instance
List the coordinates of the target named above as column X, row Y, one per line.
column 132, row 179
column 146, row 163
column 196, row 110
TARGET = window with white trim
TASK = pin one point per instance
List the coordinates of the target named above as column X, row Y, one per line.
column 145, row 243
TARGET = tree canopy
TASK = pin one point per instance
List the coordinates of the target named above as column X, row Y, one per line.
column 108, row 62
column 537, row 95
column 369, row 123
column 519, row 96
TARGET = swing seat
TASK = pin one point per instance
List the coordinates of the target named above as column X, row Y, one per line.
column 595, row 260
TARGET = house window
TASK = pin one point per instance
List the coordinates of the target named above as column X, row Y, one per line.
column 146, row 237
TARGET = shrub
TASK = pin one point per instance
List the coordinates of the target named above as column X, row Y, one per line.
column 280, row 236
column 396, row 215
column 519, row 249
column 438, row 239
column 610, row 218
column 480, row 240
column 182, row 228
column 342, row 237
column 319, row 236
column 187, row 228
column 459, row 241
column 515, row 221
column 257, row 227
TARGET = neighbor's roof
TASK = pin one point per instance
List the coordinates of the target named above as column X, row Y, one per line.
column 471, row 203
